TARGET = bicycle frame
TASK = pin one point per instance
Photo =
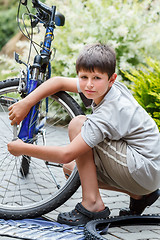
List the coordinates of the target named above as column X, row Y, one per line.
column 29, row 127
column 31, row 187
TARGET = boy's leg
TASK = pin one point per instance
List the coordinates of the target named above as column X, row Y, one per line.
column 91, row 198
column 92, row 206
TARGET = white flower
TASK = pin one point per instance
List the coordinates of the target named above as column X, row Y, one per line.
column 122, row 31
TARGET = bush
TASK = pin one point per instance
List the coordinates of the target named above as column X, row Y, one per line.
column 8, row 25
column 131, row 27
column 146, row 87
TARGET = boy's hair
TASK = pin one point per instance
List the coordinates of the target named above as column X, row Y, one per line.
column 97, row 56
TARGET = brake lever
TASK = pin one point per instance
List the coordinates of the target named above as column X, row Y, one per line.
column 34, row 23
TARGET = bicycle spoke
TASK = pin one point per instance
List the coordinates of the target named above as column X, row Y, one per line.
column 6, row 189
column 33, row 122
column 51, row 177
column 6, row 125
column 3, row 160
column 37, row 185
column 5, row 140
column 4, row 109
column 41, row 171
column 43, row 112
column 40, row 182
column 17, row 187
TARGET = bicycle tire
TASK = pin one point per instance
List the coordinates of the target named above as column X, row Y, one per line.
column 13, row 185
column 95, row 229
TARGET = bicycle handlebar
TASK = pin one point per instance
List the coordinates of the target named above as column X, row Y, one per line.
column 42, row 6
column 38, row 4
column 58, row 18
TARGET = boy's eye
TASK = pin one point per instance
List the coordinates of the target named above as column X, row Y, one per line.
column 97, row 77
column 84, row 77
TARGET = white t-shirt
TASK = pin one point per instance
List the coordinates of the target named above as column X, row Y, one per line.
column 119, row 116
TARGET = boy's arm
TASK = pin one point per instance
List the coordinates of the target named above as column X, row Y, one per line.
column 19, row 110
column 57, row 154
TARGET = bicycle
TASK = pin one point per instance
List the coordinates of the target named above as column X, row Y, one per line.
column 29, row 187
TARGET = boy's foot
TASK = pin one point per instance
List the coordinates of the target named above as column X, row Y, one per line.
column 80, row 216
column 136, row 207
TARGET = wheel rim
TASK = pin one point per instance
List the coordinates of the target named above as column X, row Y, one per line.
column 39, row 186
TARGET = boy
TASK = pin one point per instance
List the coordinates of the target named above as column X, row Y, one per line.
column 115, row 148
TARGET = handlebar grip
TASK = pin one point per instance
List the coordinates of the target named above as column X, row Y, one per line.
column 59, row 19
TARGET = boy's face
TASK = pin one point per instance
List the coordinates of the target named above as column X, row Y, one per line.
column 95, row 85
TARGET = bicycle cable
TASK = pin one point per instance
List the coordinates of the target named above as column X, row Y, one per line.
column 30, row 36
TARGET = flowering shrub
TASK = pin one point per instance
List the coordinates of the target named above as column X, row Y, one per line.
column 131, row 27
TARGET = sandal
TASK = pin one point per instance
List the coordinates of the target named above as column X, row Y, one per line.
column 136, row 207
column 80, row 216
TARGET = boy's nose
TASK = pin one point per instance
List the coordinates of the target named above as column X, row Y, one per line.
column 90, row 84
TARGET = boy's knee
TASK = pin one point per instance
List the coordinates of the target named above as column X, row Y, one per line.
column 75, row 125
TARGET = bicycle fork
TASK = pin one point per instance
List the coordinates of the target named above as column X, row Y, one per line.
column 28, row 125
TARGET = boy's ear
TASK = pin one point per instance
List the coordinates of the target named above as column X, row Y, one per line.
column 112, row 79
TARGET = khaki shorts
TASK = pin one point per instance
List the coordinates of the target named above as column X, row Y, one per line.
column 111, row 163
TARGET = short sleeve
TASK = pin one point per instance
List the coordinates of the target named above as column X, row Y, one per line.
column 95, row 129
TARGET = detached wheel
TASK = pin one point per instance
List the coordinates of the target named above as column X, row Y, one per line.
column 98, row 229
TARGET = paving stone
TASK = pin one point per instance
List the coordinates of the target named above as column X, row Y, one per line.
column 111, row 237
column 140, row 228
column 137, row 236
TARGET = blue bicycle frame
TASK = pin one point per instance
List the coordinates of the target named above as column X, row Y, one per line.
column 29, row 125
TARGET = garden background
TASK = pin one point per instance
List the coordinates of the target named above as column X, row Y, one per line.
column 132, row 27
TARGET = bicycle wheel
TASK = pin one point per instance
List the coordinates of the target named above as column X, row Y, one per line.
column 44, row 187
column 98, row 229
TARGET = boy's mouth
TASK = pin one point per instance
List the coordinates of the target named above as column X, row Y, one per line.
column 90, row 91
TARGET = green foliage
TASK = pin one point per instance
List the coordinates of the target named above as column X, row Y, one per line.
column 8, row 25
column 146, row 87
column 131, row 27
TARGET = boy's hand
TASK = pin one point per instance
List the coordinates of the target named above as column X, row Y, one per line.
column 18, row 111
column 16, row 147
